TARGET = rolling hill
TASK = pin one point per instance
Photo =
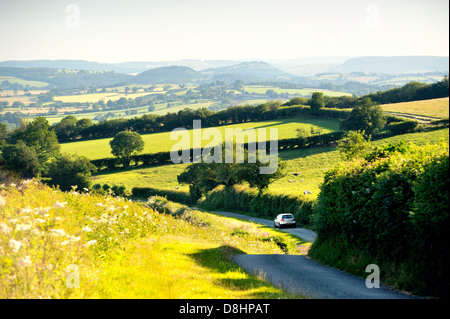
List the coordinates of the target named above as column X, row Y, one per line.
column 169, row 74
column 247, row 72
column 394, row 64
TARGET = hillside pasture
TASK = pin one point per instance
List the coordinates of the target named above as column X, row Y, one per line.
column 14, row 80
column 311, row 163
column 435, row 108
column 95, row 97
column 160, row 142
column 262, row 89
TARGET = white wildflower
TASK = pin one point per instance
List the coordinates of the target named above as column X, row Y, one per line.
column 39, row 220
column 86, row 229
column 98, row 204
column 64, row 243
column 85, row 189
column 5, row 228
column 75, row 193
column 74, row 239
column 91, row 242
column 2, row 201
column 13, row 185
column 57, row 232
column 20, row 227
column 42, row 211
column 36, row 232
column 24, row 261
column 15, row 245
column 26, row 210
column 59, row 205
column 57, row 218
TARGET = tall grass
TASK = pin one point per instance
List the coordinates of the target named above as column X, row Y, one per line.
column 80, row 245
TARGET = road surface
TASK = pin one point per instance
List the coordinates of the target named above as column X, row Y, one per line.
column 304, row 276
column 304, row 233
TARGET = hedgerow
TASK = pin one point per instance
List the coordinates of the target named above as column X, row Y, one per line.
column 392, row 208
column 241, row 198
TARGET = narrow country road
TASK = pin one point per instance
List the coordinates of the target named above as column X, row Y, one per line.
column 304, row 233
column 302, row 275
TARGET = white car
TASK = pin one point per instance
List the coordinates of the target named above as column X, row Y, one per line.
column 284, row 220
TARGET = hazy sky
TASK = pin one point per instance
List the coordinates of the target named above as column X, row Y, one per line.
column 155, row 30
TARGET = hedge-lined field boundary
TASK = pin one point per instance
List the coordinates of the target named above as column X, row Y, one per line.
column 163, row 158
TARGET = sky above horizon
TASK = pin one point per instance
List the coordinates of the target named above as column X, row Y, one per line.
column 156, row 30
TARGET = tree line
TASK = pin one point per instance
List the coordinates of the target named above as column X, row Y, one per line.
column 319, row 105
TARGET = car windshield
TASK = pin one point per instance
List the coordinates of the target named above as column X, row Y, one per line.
column 287, row 216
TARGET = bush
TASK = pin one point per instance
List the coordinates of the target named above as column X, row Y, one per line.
column 243, row 199
column 22, row 159
column 176, row 196
column 70, row 170
column 402, row 127
column 392, row 208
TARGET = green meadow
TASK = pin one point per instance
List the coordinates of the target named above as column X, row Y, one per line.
column 311, row 163
column 438, row 108
column 160, row 142
column 14, row 80
column 90, row 246
column 262, row 89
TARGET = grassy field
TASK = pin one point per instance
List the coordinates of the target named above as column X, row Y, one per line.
column 95, row 97
column 160, row 109
column 14, row 80
column 261, row 89
column 311, row 163
column 72, row 245
column 437, row 108
column 160, row 142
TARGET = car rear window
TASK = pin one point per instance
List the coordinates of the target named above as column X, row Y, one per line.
column 287, row 216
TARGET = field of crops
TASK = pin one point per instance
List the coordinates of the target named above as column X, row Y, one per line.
column 262, row 89
column 95, row 97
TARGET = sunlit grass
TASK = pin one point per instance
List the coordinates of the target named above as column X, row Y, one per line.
column 438, row 108
column 174, row 267
column 160, row 142
column 122, row 249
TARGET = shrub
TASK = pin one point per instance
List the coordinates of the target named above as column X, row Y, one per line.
column 392, row 208
column 402, row 127
column 22, row 159
column 69, row 170
column 176, row 196
column 241, row 198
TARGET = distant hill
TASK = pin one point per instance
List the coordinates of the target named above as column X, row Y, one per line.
column 305, row 71
column 132, row 67
column 64, row 78
column 248, row 71
column 174, row 74
column 394, row 64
